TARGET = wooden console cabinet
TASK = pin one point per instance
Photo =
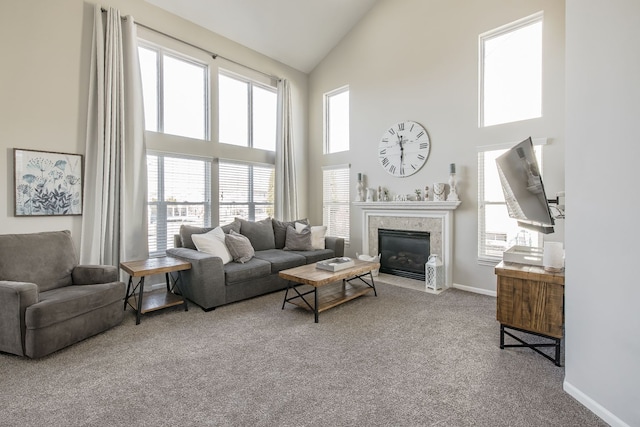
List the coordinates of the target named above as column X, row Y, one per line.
column 530, row 300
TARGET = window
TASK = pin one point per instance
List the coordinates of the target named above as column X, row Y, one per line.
column 179, row 192
column 246, row 191
column 336, row 120
column 511, row 72
column 247, row 112
column 335, row 201
column 175, row 93
column 497, row 232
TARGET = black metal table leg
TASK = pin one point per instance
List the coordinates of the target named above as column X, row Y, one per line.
column 140, row 293
column 127, row 295
column 315, row 302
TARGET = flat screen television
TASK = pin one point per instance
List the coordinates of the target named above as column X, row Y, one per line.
column 523, row 188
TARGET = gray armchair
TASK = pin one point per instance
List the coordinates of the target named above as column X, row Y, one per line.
column 47, row 300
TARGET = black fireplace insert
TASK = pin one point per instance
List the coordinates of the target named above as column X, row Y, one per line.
column 403, row 252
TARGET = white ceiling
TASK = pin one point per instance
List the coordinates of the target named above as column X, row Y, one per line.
column 299, row 33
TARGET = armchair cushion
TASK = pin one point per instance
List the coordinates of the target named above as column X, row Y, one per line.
column 60, row 304
column 92, row 274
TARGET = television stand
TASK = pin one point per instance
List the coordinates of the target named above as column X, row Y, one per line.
column 530, row 300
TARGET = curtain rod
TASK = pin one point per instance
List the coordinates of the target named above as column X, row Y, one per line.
column 213, row 54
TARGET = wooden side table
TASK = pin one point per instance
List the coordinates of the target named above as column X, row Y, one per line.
column 154, row 300
column 530, row 300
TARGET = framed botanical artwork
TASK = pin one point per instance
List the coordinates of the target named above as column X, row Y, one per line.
column 47, row 183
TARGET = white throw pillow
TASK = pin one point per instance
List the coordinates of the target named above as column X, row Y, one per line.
column 213, row 243
column 317, row 234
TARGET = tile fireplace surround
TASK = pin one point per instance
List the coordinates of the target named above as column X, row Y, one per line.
column 434, row 217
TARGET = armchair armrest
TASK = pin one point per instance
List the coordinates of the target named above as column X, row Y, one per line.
column 15, row 297
column 204, row 282
column 335, row 243
column 94, row 274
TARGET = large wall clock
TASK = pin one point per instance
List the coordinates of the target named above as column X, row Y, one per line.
column 404, row 148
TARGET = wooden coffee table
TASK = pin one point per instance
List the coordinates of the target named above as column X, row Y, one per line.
column 329, row 288
column 157, row 299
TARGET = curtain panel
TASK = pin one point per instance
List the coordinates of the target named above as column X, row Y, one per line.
column 286, row 200
column 114, row 224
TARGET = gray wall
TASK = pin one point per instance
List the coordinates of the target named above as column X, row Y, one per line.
column 418, row 60
column 603, row 147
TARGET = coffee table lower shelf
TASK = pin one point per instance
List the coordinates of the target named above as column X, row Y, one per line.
column 329, row 296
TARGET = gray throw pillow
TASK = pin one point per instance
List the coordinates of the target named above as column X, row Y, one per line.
column 239, row 247
column 187, row 230
column 235, row 226
column 259, row 233
column 298, row 241
column 280, row 230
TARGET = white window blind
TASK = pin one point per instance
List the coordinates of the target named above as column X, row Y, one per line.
column 246, row 191
column 336, row 201
column 179, row 192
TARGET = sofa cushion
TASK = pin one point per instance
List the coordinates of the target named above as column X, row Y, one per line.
column 298, row 240
column 234, row 225
column 260, row 233
column 253, row 269
column 46, row 258
column 187, row 230
column 58, row 305
column 239, row 246
column 280, row 230
column 281, row 260
column 316, row 255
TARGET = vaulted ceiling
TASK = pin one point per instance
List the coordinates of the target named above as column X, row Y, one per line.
column 299, row 33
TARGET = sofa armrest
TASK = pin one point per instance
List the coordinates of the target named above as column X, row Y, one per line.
column 15, row 297
column 94, row 274
column 204, row 283
column 335, row 243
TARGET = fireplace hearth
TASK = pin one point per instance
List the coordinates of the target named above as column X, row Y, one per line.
column 404, row 252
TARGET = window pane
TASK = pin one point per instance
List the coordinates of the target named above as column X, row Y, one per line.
column 337, row 126
column 335, row 201
column 233, row 111
column 179, row 193
column 184, row 98
column 246, row 191
column 264, row 118
column 149, row 74
column 512, row 75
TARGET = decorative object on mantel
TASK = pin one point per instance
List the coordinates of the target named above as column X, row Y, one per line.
column 418, row 196
column 439, row 189
column 426, row 193
column 360, row 189
column 403, row 148
column 47, row 183
column 453, row 195
column 370, row 194
column 434, row 273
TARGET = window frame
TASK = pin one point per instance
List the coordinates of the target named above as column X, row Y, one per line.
column 483, row 257
column 343, row 183
column 251, row 203
column 162, row 51
column 502, row 30
column 163, row 205
column 250, row 105
column 327, row 123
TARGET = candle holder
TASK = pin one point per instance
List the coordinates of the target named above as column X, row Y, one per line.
column 453, row 195
column 360, row 191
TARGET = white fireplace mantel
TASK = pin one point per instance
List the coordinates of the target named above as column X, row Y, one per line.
column 442, row 212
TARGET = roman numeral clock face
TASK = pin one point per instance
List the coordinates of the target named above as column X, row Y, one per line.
column 404, row 148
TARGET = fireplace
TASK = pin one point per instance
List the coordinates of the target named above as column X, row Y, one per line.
column 403, row 252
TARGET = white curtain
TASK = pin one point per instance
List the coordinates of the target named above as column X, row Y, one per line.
column 114, row 222
column 286, row 208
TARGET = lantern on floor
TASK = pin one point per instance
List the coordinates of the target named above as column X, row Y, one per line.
column 434, row 273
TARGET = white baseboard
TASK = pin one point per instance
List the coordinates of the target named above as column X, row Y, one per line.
column 475, row 290
column 593, row 406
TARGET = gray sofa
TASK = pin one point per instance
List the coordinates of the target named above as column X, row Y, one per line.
column 47, row 300
column 210, row 283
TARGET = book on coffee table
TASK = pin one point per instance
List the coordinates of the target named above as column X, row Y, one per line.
column 335, row 264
